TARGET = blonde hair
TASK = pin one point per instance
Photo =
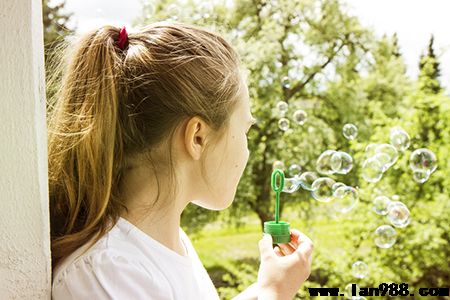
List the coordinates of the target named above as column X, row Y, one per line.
column 114, row 104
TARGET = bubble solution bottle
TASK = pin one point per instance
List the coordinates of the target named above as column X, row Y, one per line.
column 279, row 230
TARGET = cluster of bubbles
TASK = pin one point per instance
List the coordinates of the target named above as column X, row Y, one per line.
column 378, row 159
column 331, row 162
column 323, row 189
column 397, row 213
column 300, row 116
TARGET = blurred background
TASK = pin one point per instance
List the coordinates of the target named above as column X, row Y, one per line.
column 314, row 66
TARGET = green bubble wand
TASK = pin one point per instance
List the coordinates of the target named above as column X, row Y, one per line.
column 279, row 230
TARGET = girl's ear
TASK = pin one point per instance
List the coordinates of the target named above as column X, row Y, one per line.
column 195, row 134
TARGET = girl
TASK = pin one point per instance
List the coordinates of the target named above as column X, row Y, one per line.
column 144, row 124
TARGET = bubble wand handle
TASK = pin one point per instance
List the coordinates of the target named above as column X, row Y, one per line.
column 277, row 189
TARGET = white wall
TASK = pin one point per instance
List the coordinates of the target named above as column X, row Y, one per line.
column 25, row 269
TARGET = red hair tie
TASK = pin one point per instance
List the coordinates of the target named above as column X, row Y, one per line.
column 123, row 38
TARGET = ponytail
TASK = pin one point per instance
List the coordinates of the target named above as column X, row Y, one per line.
column 85, row 144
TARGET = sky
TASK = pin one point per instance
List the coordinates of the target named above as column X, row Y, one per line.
column 413, row 21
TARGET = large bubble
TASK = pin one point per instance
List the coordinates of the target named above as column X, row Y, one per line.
column 345, row 199
column 398, row 214
column 372, row 170
column 385, row 236
column 307, row 179
column 322, row 189
column 300, row 117
column 360, row 269
column 291, row 185
column 370, row 150
column 380, row 205
column 341, row 162
column 423, row 160
column 384, row 160
column 350, row 131
column 399, row 139
column 323, row 164
column 390, row 151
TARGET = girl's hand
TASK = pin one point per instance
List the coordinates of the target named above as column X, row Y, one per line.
column 284, row 268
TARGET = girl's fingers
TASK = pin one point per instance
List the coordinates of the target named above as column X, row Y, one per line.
column 300, row 240
column 287, row 248
column 278, row 251
column 295, row 237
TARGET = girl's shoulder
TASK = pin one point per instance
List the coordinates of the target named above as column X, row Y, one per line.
column 110, row 268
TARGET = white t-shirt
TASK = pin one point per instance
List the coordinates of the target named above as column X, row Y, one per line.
column 128, row 264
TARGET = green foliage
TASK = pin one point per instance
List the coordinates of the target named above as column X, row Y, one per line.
column 429, row 71
column 339, row 73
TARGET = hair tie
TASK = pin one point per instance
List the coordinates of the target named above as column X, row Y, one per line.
column 123, row 38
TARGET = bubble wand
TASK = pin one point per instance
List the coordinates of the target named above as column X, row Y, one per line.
column 279, row 230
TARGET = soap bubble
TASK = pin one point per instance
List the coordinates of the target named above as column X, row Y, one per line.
column 322, row 189
column 399, row 139
column 206, row 8
column 421, row 176
column 345, row 199
column 173, row 11
column 395, row 197
column 337, row 185
column 283, row 124
column 278, row 164
column 423, row 159
column 380, row 205
column 282, row 107
column 349, row 291
column 300, row 116
column 286, row 82
column 350, row 131
column 398, row 214
column 295, row 170
column 360, row 269
column 372, row 170
column 385, row 236
column 390, row 151
column 341, row 162
column 291, row 185
column 307, row 179
column 370, row 149
column 323, row 164
column 384, row 160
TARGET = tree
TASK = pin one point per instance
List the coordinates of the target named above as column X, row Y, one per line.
column 314, row 56
column 55, row 31
column 429, row 70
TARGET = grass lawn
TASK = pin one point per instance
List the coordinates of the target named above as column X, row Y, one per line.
column 219, row 244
